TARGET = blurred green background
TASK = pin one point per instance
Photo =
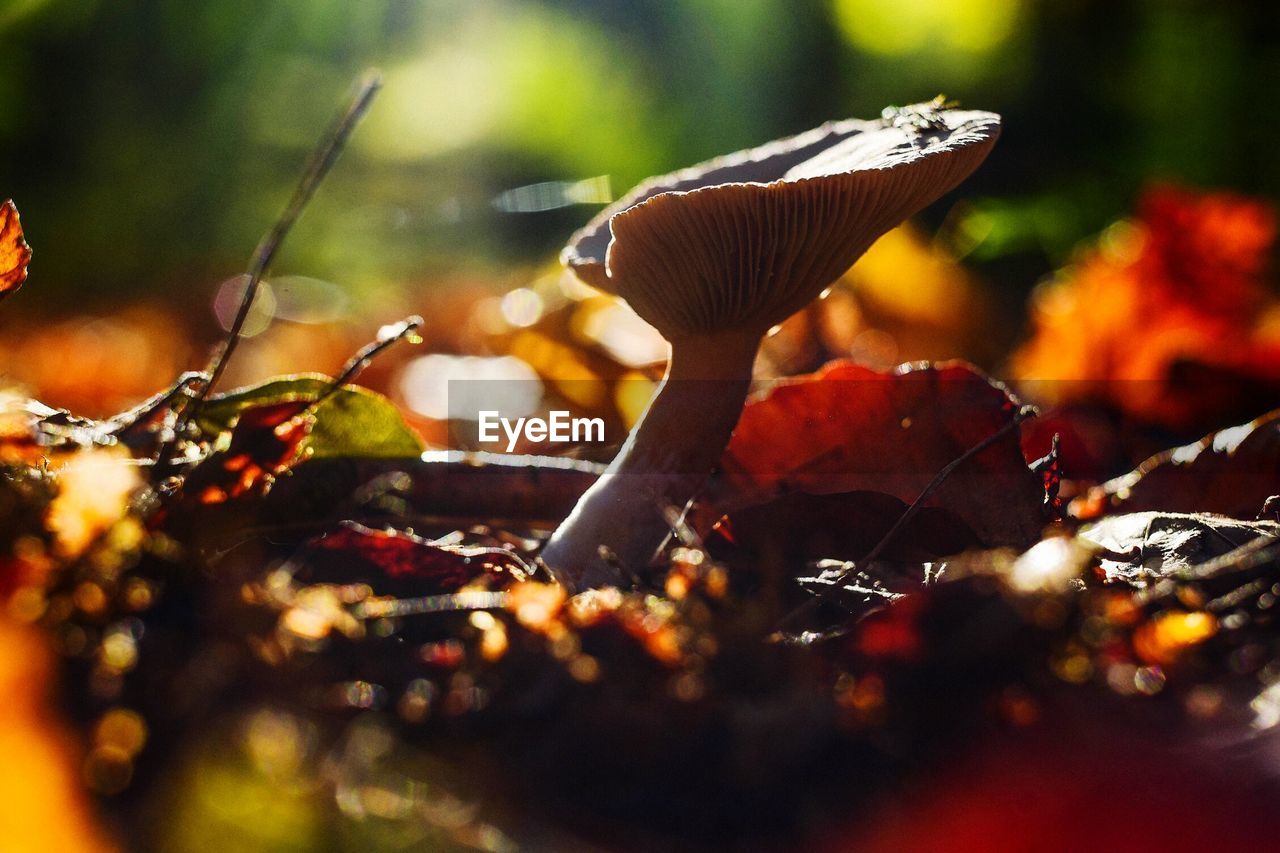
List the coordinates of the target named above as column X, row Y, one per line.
column 149, row 143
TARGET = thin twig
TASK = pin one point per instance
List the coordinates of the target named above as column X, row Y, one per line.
column 144, row 411
column 916, row 505
column 326, row 154
column 1251, row 554
column 406, row 328
column 321, row 162
column 396, row 608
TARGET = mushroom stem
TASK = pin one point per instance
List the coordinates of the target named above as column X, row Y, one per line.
column 662, row 465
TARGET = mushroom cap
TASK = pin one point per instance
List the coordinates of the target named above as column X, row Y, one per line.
column 746, row 240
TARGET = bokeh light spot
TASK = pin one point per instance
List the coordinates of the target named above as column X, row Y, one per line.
column 227, row 302
column 450, row 386
column 521, row 307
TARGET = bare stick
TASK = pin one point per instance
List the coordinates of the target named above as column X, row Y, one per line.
column 406, row 328
column 321, row 162
column 449, row 603
column 124, row 422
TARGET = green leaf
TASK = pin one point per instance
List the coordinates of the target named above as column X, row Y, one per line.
column 354, row 422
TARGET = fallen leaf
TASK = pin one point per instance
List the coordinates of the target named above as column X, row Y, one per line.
column 354, row 551
column 265, row 442
column 15, row 254
column 353, row 423
column 1230, row 472
column 271, row 431
column 848, row 428
column 1142, row 546
column 1091, row 444
column 43, row 801
column 791, row 531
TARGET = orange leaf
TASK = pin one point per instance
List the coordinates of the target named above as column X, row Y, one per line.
column 14, row 251
column 1169, row 319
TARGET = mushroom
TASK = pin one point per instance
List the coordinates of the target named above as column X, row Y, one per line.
column 715, row 255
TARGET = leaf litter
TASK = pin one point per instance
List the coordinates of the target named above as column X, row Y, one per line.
column 675, row 708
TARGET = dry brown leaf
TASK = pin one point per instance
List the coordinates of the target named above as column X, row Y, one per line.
column 15, row 254
column 1144, row 546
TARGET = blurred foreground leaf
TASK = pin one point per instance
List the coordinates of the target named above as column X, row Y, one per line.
column 42, row 803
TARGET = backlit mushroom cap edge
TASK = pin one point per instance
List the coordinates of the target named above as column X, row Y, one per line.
column 743, row 241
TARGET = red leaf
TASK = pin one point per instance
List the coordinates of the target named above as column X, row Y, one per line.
column 1211, row 248
column 398, row 555
column 893, row 631
column 1091, row 444
column 14, row 251
column 848, row 428
column 265, row 442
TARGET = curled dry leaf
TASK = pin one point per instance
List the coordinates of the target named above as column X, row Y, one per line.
column 1144, row 546
column 848, row 428
column 15, row 254
column 31, row 432
column 1231, row 472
